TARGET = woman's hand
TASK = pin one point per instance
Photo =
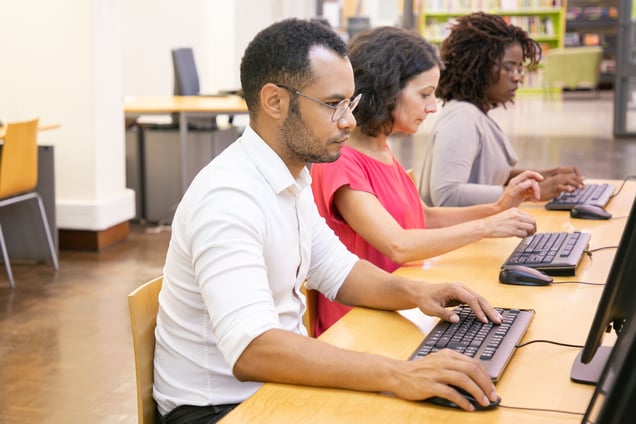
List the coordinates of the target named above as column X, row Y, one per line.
column 512, row 222
column 523, row 187
column 560, row 179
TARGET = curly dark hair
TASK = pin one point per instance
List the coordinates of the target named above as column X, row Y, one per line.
column 472, row 55
column 384, row 60
column 280, row 54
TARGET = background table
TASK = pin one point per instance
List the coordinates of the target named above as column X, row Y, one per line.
column 184, row 106
column 538, row 374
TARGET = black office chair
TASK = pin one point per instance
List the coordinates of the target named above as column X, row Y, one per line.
column 186, row 77
column 186, row 83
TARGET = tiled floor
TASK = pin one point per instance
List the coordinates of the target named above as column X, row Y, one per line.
column 65, row 344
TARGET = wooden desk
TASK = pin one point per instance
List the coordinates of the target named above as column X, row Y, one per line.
column 183, row 105
column 538, row 374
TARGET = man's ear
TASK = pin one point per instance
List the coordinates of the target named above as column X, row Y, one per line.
column 273, row 101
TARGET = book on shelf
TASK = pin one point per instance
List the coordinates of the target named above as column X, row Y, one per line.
column 591, row 39
column 571, row 39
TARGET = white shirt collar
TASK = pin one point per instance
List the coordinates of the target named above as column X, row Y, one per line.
column 270, row 165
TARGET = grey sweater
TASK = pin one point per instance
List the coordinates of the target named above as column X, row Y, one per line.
column 467, row 158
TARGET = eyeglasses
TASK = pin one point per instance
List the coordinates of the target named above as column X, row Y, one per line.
column 512, row 69
column 339, row 108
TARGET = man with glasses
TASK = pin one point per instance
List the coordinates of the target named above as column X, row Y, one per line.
column 247, row 235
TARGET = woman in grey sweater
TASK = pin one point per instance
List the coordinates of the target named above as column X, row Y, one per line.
column 469, row 159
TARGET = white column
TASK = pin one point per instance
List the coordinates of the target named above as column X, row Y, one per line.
column 62, row 62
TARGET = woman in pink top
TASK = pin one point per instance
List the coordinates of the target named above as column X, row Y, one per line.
column 366, row 196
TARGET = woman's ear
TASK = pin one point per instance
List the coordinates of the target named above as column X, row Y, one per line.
column 273, row 102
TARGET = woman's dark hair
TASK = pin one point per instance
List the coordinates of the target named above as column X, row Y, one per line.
column 384, row 60
column 280, row 54
column 472, row 54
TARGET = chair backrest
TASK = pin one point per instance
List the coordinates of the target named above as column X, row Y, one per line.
column 143, row 304
column 186, row 77
column 573, row 67
column 311, row 313
column 19, row 160
column 411, row 173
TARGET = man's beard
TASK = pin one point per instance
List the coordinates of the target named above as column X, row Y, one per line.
column 301, row 141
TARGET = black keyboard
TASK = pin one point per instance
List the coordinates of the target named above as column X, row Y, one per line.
column 592, row 194
column 552, row 253
column 492, row 344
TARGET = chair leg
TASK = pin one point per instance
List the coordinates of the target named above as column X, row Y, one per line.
column 5, row 257
column 49, row 238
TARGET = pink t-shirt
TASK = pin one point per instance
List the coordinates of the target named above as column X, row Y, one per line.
column 389, row 183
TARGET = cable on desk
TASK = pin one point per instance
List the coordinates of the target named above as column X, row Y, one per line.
column 578, row 282
column 590, row 251
column 629, row 177
column 558, row 411
column 549, row 342
column 523, row 408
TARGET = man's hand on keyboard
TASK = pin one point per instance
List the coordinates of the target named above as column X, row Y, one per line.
column 441, row 296
column 522, row 188
column 434, row 375
column 510, row 223
column 560, row 179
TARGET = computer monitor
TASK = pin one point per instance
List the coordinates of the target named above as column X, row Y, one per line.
column 614, row 307
column 613, row 398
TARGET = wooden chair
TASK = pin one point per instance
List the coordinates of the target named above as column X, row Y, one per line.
column 18, row 178
column 311, row 297
column 411, row 173
column 143, row 303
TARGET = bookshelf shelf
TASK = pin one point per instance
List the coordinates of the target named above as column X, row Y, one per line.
column 590, row 24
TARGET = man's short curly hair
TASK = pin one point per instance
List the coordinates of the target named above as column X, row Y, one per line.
column 279, row 54
column 472, row 54
column 384, row 60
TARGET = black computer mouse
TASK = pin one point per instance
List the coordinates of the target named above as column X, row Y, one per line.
column 521, row 275
column 589, row 212
column 478, row 407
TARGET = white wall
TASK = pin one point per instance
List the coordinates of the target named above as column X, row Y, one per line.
column 61, row 61
column 71, row 62
column 217, row 30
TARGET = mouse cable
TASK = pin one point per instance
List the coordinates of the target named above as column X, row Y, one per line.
column 630, row 177
column 524, row 408
column 547, row 341
column 578, row 282
column 589, row 252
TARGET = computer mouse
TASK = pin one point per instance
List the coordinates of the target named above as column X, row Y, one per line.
column 478, row 407
column 521, row 275
column 589, row 212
